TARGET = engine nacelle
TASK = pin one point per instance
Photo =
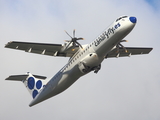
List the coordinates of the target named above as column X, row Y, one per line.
column 89, row 63
column 91, row 60
column 66, row 48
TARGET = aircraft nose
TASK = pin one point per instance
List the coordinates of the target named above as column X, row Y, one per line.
column 133, row 19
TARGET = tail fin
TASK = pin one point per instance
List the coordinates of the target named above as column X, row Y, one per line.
column 34, row 83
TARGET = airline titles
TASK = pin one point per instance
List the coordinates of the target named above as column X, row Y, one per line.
column 106, row 34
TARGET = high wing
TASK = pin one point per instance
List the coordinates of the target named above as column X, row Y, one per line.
column 130, row 51
column 42, row 48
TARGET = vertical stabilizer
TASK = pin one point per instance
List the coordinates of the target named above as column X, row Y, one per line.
column 34, row 83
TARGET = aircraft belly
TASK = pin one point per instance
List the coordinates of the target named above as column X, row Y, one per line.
column 68, row 79
column 56, row 86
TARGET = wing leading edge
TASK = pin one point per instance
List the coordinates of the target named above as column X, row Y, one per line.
column 40, row 48
column 55, row 49
column 130, row 51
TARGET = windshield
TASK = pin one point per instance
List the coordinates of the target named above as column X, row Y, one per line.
column 121, row 18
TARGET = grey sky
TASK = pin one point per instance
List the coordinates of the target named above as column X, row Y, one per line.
column 124, row 89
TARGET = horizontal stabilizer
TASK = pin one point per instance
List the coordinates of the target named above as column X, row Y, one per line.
column 23, row 77
column 17, row 77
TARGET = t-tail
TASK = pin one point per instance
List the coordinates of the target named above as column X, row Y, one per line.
column 34, row 83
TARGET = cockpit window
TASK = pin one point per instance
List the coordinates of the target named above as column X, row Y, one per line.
column 121, row 18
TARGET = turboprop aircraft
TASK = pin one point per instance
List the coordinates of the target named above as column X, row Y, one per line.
column 82, row 58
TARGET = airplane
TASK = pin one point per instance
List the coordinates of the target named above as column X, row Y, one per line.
column 82, row 58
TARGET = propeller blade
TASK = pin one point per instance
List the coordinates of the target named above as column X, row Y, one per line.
column 68, row 35
column 124, row 41
column 117, row 47
column 123, row 47
column 67, row 40
column 74, row 33
column 120, row 45
column 79, row 44
column 80, row 38
column 73, row 39
column 68, row 45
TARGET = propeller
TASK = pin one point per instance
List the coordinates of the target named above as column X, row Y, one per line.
column 73, row 39
column 119, row 45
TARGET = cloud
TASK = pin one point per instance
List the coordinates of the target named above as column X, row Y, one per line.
column 125, row 88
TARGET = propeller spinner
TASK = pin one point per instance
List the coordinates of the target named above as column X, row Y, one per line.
column 73, row 39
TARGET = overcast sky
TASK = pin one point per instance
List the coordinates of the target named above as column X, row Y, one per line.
column 124, row 89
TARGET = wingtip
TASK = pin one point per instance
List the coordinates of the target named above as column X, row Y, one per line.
column 8, row 44
column 150, row 49
column 6, row 78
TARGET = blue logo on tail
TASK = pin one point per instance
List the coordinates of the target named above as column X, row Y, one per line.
column 34, row 86
column 31, row 83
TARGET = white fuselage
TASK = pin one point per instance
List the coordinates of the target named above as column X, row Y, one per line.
column 86, row 59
